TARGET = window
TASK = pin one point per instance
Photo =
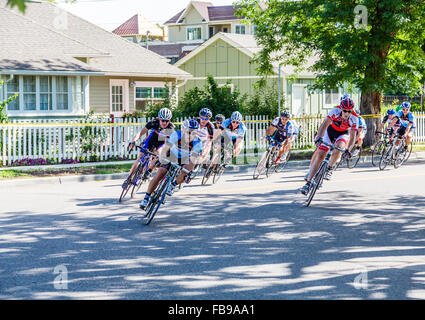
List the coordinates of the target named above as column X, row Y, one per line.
column 46, row 89
column 143, row 93
column 254, row 29
column 61, row 93
column 331, row 97
column 12, row 89
column 152, row 94
column 193, row 33
column 29, row 92
column 46, row 93
column 160, row 93
column 77, row 91
column 117, row 98
column 240, row 29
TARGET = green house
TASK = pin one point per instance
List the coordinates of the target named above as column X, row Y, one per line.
column 227, row 56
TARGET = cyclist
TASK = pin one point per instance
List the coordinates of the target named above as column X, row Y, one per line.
column 389, row 118
column 407, row 123
column 160, row 128
column 219, row 119
column 183, row 147
column 362, row 130
column 205, row 133
column 339, row 127
column 235, row 132
column 282, row 130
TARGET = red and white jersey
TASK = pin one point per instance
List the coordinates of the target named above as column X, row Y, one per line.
column 340, row 124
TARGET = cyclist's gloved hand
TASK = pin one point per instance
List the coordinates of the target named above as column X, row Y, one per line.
column 348, row 153
column 318, row 140
column 131, row 146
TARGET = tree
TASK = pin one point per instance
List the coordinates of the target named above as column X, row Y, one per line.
column 372, row 45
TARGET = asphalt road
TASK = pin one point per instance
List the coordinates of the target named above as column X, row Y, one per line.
column 363, row 237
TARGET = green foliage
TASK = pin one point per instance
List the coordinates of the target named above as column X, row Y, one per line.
column 218, row 99
column 91, row 137
column 264, row 101
column 386, row 55
column 3, row 105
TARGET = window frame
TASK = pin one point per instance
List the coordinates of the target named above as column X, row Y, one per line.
column 152, row 86
column 194, row 27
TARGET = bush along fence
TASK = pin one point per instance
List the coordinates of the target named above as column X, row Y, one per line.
column 72, row 141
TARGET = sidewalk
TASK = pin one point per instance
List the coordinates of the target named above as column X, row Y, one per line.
column 415, row 157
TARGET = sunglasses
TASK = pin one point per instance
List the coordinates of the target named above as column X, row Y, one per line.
column 164, row 120
column 346, row 111
column 204, row 118
column 235, row 121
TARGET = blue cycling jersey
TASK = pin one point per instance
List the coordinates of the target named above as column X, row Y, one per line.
column 182, row 150
column 234, row 134
column 362, row 124
column 405, row 120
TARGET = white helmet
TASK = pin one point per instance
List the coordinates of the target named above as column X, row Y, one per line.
column 236, row 116
column 165, row 114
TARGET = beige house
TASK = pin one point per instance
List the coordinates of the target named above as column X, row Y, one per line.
column 137, row 29
column 63, row 66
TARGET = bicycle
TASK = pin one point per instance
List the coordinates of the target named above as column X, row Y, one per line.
column 216, row 169
column 352, row 160
column 137, row 178
column 317, row 181
column 396, row 155
column 379, row 148
column 268, row 159
column 158, row 196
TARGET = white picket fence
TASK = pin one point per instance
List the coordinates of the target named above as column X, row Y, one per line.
column 61, row 140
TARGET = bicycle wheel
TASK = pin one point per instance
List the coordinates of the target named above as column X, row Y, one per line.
column 158, row 198
column 317, row 181
column 261, row 165
column 127, row 188
column 137, row 181
column 218, row 173
column 354, row 160
column 385, row 158
column 207, row 174
column 400, row 155
column 409, row 152
column 377, row 152
column 270, row 166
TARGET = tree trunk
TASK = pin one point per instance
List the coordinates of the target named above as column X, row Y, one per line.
column 370, row 103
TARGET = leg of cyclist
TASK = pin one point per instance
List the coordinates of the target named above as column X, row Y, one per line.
column 162, row 171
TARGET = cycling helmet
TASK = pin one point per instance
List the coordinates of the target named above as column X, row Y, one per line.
column 347, row 104
column 357, row 111
column 390, row 112
column 285, row 113
column 205, row 112
column 406, row 104
column 220, row 118
column 190, row 124
column 236, row 116
column 165, row 114
column 345, row 96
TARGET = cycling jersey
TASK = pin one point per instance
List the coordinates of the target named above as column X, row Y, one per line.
column 206, row 132
column 158, row 135
column 362, row 124
column 283, row 130
column 296, row 127
column 239, row 132
column 180, row 149
column 340, row 124
column 387, row 118
column 406, row 119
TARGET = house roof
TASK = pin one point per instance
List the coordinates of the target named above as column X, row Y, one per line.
column 208, row 11
column 49, row 32
column 249, row 46
column 170, row 49
column 138, row 25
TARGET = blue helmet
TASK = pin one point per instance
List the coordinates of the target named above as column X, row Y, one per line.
column 205, row 112
column 190, row 124
column 345, row 96
column 390, row 112
column 406, row 104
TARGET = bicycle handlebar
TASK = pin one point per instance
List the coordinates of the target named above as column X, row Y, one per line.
column 332, row 146
column 176, row 165
column 147, row 151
